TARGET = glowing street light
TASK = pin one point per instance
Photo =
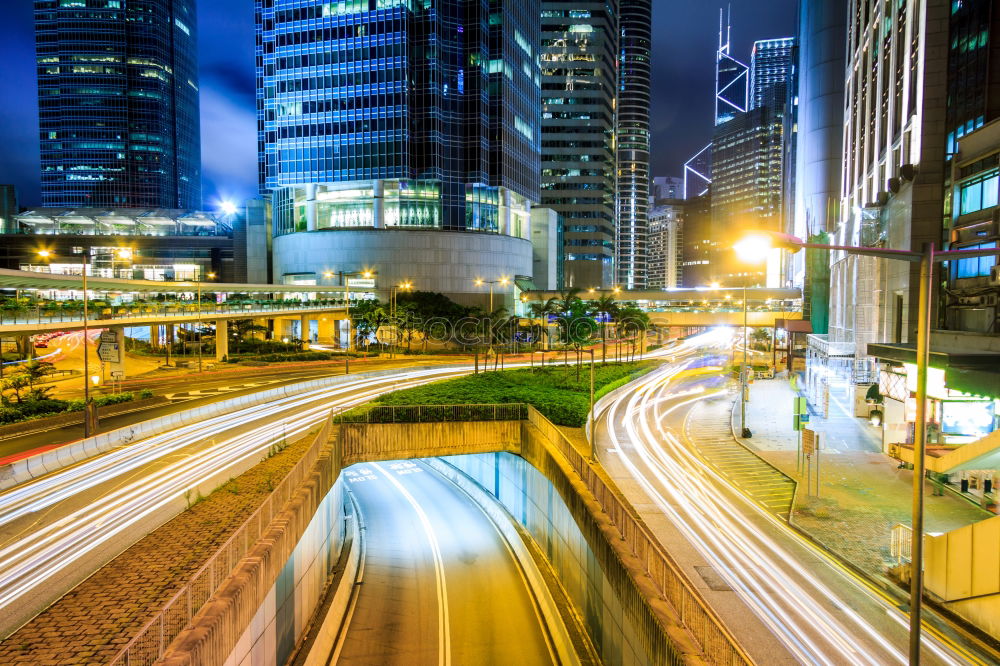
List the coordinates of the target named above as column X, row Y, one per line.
column 228, row 207
column 761, row 243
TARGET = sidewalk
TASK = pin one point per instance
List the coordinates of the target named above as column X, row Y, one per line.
column 862, row 492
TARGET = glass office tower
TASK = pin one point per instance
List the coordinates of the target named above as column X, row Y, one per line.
column 118, row 103
column 579, row 76
column 632, row 143
column 771, row 63
column 396, row 113
column 383, row 121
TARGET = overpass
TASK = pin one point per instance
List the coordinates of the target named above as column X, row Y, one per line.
column 125, row 304
column 701, row 306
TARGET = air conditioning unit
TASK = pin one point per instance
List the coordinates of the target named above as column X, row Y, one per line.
column 995, row 274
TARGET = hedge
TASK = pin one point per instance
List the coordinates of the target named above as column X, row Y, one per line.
column 554, row 390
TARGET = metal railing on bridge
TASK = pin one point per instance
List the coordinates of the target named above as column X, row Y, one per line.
column 900, row 543
column 101, row 314
column 433, row 413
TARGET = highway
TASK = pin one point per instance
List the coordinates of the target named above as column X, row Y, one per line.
column 440, row 585
column 56, row 530
column 816, row 611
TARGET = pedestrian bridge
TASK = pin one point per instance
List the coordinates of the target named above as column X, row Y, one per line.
column 699, row 307
column 127, row 303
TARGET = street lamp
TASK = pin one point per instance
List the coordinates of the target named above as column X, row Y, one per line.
column 89, row 411
column 479, row 283
column 926, row 258
column 345, row 281
column 405, row 286
column 750, row 250
column 210, row 276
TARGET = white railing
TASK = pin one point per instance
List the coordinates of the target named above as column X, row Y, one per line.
column 821, row 344
column 900, row 542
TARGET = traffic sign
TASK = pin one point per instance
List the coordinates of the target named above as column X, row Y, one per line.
column 108, row 335
column 117, row 374
column 109, row 352
column 808, row 442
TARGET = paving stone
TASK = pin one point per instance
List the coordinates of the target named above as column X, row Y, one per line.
column 93, row 621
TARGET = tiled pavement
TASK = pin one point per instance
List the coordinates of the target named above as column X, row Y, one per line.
column 707, row 429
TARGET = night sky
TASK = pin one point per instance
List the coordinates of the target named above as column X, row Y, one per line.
column 684, row 41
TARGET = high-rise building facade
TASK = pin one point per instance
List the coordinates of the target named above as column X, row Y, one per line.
column 748, row 154
column 771, row 63
column 731, row 79
column 118, row 103
column 379, row 119
column 666, row 240
column 579, row 54
column 700, row 249
column 666, row 187
column 632, row 141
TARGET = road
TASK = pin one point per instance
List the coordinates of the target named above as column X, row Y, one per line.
column 813, row 609
column 440, row 585
column 57, row 529
column 191, row 389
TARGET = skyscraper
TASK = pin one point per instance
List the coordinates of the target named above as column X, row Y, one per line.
column 731, row 82
column 402, row 117
column 770, row 63
column 632, row 142
column 118, row 103
column 579, row 73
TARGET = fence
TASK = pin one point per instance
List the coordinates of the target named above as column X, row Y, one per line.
column 433, row 413
column 900, row 542
column 719, row 646
column 152, row 640
column 103, row 314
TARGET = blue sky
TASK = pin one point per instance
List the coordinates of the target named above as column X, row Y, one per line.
column 684, row 41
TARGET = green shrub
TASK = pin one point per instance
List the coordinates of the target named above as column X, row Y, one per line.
column 554, row 390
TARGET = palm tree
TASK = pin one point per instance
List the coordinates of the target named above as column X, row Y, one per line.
column 542, row 311
column 608, row 306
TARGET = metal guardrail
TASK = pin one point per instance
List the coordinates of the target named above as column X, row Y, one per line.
column 900, row 543
column 99, row 314
column 718, row 644
column 433, row 413
column 152, row 640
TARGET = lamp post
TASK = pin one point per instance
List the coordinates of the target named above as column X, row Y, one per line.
column 480, row 283
column 89, row 412
column 393, row 291
column 760, row 242
column 345, row 280
column 751, row 253
column 210, row 276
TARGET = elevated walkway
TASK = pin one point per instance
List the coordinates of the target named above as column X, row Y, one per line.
column 981, row 454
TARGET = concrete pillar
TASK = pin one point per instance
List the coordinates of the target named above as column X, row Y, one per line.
column 116, row 369
column 221, row 339
column 304, row 331
column 310, row 207
column 154, row 337
column 168, row 341
column 378, row 205
column 327, row 333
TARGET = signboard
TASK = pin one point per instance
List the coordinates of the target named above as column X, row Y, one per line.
column 117, row 374
column 364, row 283
column 108, row 352
column 109, row 336
column 808, row 442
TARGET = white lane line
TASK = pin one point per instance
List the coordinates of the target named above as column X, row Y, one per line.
column 444, row 630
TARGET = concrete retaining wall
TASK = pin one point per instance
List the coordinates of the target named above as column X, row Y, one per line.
column 259, row 613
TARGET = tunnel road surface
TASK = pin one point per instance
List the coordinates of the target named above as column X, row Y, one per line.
column 440, row 584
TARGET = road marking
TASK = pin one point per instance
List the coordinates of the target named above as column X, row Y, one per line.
column 444, row 630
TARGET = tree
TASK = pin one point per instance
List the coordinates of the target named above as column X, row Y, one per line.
column 632, row 320
column 541, row 311
column 607, row 306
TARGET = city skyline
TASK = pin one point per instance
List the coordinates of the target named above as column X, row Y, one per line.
column 683, row 59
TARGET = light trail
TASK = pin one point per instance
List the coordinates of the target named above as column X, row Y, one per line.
column 43, row 550
column 816, row 624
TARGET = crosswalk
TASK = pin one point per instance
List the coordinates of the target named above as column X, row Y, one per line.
column 708, row 429
column 182, row 396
